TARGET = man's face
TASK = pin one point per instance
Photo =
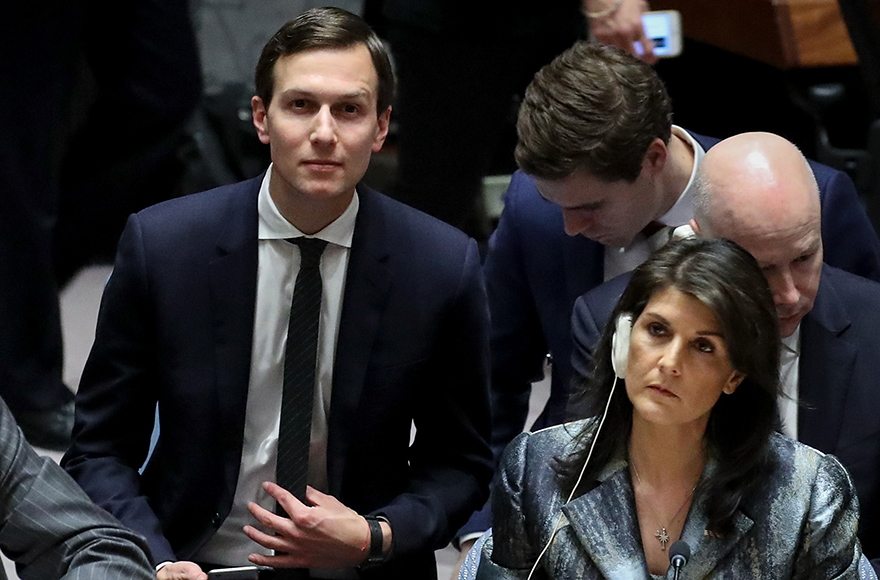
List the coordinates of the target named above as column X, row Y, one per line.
column 791, row 258
column 764, row 197
column 611, row 213
column 322, row 126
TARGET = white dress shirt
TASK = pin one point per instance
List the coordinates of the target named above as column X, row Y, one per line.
column 790, row 356
column 277, row 268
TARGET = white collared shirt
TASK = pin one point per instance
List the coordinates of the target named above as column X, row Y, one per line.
column 620, row 260
column 790, row 355
column 277, row 267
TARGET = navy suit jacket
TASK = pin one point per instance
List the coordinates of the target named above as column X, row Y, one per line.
column 535, row 272
column 839, row 378
column 175, row 329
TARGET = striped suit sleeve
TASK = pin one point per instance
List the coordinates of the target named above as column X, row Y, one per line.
column 50, row 528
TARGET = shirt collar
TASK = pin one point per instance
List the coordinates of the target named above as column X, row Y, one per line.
column 791, row 345
column 274, row 226
column 683, row 209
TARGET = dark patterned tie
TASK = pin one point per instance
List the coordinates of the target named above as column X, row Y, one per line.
column 300, row 358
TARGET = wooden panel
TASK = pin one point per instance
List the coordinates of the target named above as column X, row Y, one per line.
column 820, row 32
column 783, row 33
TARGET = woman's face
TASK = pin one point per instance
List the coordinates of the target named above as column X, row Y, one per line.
column 678, row 363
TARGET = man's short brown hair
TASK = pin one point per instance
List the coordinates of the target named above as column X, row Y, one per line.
column 324, row 28
column 594, row 108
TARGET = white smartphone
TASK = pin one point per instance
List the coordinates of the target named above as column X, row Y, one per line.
column 664, row 28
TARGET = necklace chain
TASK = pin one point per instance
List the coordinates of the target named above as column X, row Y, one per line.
column 662, row 534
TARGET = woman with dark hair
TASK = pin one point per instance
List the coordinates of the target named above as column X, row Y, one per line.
column 680, row 444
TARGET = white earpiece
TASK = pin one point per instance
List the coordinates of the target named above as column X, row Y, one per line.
column 684, row 232
column 620, row 344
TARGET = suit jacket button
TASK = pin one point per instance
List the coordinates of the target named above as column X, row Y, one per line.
column 216, row 520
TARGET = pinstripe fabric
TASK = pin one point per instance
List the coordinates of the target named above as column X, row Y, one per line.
column 300, row 357
column 50, row 528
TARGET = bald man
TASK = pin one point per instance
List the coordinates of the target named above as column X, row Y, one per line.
column 758, row 190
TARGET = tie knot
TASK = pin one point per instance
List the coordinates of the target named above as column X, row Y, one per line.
column 652, row 228
column 310, row 250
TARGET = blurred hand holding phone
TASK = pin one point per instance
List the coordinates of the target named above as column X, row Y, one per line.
column 619, row 23
column 663, row 27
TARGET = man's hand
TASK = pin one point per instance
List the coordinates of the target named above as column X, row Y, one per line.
column 621, row 27
column 325, row 535
column 181, row 571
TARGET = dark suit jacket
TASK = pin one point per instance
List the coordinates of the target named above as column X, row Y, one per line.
column 799, row 524
column 175, row 328
column 535, row 272
column 839, row 378
column 51, row 529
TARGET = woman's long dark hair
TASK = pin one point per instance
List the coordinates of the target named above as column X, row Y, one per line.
column 729, row 282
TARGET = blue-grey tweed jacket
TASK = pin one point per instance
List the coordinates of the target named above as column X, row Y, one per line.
column 802, row 524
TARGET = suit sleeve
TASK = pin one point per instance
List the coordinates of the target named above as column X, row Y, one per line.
column 518, row 347
column 850, row 242
column 585, row 337
column 116, row 401
column 517, row 344
column 50, row 528
column 829, row 548
column 450, row 463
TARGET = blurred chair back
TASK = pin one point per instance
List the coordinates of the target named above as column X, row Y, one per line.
column 862, row 19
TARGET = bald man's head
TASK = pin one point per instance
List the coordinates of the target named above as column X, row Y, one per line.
column 758, row 190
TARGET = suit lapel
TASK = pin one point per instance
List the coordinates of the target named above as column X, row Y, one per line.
column 366, row 290
column 606, row 524
column 825, row 369
column 603, row 520
column 584, row 265
column 707, row 549
column 233, row 284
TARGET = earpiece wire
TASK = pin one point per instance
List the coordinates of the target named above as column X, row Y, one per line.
column 578, row 482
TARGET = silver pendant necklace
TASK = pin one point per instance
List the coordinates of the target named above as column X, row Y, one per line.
column 661, row 534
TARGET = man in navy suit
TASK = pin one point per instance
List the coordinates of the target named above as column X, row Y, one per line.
column 757, row 190
column 194, row 319
column 606, row 178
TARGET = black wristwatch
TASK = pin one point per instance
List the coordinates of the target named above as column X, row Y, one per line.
column 374, row 555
